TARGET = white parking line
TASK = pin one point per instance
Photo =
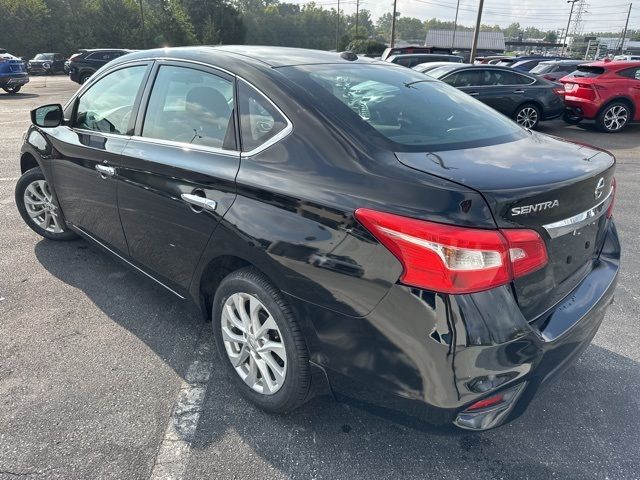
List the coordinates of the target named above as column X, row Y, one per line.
column 173, row 454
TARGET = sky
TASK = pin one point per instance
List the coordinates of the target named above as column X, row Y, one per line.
column 602, row 15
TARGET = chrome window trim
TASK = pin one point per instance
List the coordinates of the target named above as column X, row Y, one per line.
column 276, row 138
column 185, row 146
column 568, row 225
column 272, row 141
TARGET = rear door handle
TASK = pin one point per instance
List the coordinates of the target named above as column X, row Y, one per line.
column 474, row 94
column 105, row 170
column 199, row 201
column 518, row 91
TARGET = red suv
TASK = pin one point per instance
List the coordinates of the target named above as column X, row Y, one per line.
column 607, row 92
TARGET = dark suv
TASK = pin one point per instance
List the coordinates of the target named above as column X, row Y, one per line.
column 46, row 63
column 444, row 264
column 87, row 62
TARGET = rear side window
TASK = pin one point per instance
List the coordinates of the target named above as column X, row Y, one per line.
column 633, row 73
column 190, row 106
column 587, row 71
column 108, row 104
column 260, row 121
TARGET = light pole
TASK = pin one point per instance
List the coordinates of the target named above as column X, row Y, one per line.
column 624, row 32
column 455, row 26
column 476, row 33
column 393, row 25
column 566, row 33
column 338, row 28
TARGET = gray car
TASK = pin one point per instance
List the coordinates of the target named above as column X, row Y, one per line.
column 525, row 98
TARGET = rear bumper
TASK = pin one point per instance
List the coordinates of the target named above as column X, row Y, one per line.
column 13, row 79
column 581, row 107
column 431, row 356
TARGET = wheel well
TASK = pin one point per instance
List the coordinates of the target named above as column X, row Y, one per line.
column 27, row 162
column 625, row 100
column 211, row 277
column 530, row 102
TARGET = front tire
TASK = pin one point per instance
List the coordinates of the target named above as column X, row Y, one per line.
column 614, row 117
column 527, row 116
column 84, row 77
column 259, row 342
column 37, row 208
column 12, row 90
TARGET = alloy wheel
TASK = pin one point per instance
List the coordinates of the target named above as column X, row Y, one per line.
column 253, row 343
column 38, row 203
column 616, row 118
column 527, row 117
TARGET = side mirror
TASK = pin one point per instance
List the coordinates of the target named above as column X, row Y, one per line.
column 47, row 116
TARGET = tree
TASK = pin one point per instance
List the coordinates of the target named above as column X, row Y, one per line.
column 513, row 31
column 411, row 29
column 551, row 36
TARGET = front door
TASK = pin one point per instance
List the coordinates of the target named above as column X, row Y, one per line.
column 87, row 150
column 177, row 174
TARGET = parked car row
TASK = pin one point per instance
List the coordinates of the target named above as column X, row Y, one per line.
column 606, row 92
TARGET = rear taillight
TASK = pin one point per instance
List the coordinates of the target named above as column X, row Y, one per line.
column 452, row 259
column 613, row 197
column 559, row 91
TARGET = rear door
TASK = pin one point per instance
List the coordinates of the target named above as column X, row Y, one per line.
column 177, row 174
column 633, row 74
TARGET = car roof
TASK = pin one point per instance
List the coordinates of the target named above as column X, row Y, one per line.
column 257, row 55
column 567, row 62
column 438, row 64
column 614, row 64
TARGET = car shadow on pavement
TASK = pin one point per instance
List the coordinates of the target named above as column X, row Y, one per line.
column 629, row 138
column 169, row 326
column 582, row 426
column 17, row 96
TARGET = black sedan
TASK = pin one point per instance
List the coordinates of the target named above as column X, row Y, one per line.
column 348, row 225
column 525, row 98
column 47, row 64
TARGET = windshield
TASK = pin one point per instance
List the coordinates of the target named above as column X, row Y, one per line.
column 542, row 68
column 44, row 56
column 412, row 113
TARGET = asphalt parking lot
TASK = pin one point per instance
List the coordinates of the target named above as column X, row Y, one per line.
column 93, row 358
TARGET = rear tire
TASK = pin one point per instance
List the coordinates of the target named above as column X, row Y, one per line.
column 84, row 77
column 614, row 117
column 257, row 336
column 12, row 90
column 527, row 116
column 37, row 209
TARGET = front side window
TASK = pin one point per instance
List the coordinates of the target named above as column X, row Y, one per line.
column 260, row 121
column 107, row 105
column 400, row 109
column 190, row 106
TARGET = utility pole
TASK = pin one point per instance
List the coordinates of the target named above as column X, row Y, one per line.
column 564, row 43
column 357, row 14
column 455, row 26
column 144, row 35
column 338, row 28
column 624, row 32
column 476, row 33
column 393, row 25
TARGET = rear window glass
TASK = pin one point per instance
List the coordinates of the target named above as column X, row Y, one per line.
column 587, row 71
column 543, row 68
column 409, row 112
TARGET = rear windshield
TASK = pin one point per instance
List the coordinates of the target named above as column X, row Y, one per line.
column 44, row 56
column 441, row 71
column 586, row 71
column 542, row 68
column 400, row 106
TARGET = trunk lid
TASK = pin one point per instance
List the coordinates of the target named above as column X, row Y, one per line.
column 558, row 188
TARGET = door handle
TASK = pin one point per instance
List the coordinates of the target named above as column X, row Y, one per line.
column 198, row 201
column 518, row 91
column 474, row 94
column 105, row 170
